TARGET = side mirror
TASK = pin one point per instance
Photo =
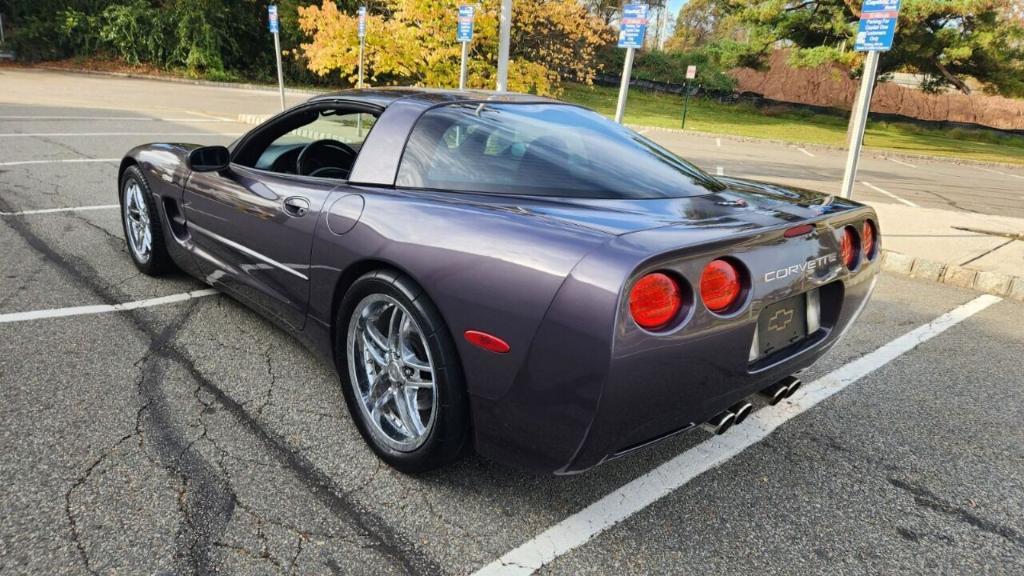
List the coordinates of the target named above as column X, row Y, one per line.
column 209, row 159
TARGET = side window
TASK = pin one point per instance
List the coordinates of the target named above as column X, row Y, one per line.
column 546, row 149
column 471, row 154
column 322, row 143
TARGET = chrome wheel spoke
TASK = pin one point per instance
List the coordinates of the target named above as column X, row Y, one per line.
column 414, row 383
column 379, row 339
column 409, row 415
column 415, row 363
column 394, row 328
column 378, row 404
column 373, row 352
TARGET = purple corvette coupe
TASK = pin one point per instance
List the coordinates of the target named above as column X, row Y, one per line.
column 507, row 272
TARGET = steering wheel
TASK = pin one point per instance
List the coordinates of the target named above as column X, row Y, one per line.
column 309, row 162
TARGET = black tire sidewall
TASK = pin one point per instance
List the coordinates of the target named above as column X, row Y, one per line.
column 449, row 436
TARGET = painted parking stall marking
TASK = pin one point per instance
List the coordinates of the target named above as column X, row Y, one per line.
column 103, row 308
column 58, row 210
column 990, row 171
column 900, row 162
column 92, row 134
column 115, row 119
column 640, row 493
column 64, row 161
column 889, row 194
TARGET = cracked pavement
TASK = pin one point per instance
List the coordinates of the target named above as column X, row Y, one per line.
column 197, row 438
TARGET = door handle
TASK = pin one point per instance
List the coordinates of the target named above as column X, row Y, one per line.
column 296, row 206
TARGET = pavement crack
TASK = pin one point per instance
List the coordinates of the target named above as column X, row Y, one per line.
column 269, row 396
column 926, row 499
column 69, row 494
column 209, row 496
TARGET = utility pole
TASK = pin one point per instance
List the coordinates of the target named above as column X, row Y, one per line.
column 504, row 37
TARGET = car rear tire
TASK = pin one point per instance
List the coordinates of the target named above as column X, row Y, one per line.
column 400, row 373
column 140, row 220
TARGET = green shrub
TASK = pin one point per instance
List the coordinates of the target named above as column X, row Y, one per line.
column 137, row 32
column 670, row 67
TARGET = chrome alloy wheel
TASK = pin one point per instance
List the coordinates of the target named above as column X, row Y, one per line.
column 136, row 221
column 391, row 372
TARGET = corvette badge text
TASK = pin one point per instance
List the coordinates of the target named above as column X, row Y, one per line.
column 806, row 267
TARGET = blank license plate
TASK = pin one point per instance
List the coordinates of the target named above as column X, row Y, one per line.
column 782, row 324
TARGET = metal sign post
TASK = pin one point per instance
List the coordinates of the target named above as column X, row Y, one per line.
column 1, row 28
column 504, row 36
column 275, row 28
column 874, row 34
column 362, row 45
column 631, row 36
column 464, row 35
column 691, row 73
column 362, row 42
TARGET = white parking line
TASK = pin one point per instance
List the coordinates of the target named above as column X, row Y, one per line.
column 890, row 159
column 118, row 119
column 69, row 134
column 806, row 152
column 718, row 142
column 54, row 210
column 889, row 194
column 579, row 528
column 1001, row 173
column 101, row 308
column 68, row 161
column 719, row 171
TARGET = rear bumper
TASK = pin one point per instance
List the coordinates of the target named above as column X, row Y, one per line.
column 648, row 399
column 582, row 400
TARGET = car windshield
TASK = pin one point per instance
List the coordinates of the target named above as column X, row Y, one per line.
column 542, row 150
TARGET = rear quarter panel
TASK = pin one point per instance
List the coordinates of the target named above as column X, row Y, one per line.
column 485, row 267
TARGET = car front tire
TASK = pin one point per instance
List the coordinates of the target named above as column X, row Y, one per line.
column 141, row 223
column 400, row 373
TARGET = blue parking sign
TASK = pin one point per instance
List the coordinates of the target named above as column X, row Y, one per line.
column 633, row 26
column 272, row 22
column 877, row 25
column 362, row 22
column 464, row 29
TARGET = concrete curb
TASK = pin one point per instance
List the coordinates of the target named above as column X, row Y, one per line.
column 989, row 282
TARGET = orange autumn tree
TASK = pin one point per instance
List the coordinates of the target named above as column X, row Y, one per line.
column 413, row 42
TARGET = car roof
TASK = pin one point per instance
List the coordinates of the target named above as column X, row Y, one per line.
column 385, row 96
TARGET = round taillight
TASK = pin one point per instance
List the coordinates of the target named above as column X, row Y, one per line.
column 848, row 247
column 867, row 239
column 720, row 285
column 655, row 300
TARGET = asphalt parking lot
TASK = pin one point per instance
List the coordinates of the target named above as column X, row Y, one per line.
column 193, row 437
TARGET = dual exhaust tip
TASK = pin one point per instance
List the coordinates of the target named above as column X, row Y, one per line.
column 722, row 421
column 781, row 390
column 737, row 413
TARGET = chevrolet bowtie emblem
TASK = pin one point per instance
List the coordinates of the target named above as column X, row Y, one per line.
column 780, row 320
